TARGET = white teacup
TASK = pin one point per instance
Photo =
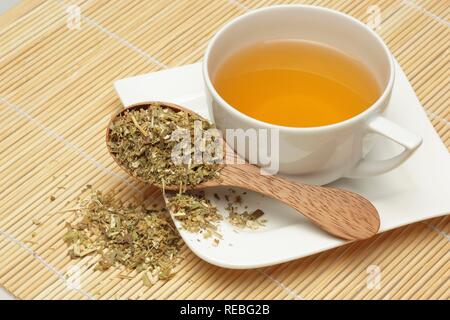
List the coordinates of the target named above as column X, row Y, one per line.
column 319, row 154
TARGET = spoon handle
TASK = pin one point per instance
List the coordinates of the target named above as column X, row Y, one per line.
column 342, row 213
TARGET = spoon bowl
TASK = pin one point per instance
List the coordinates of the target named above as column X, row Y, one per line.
column 147, row 105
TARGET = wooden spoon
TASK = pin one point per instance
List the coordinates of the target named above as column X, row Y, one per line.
column 342, row 213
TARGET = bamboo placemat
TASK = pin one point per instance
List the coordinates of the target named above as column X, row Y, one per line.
column 56, row 97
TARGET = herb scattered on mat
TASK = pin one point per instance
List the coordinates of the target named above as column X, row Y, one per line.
column 124, row 234
column 141, row 140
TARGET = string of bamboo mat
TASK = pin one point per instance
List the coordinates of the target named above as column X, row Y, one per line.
column 56, row 97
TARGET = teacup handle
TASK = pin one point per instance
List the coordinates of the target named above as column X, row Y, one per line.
column 394, row 132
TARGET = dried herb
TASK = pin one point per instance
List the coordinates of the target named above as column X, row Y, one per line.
column 198, row 215
column 195, row 213
column 124, row 234
column 141, row 140
column 246, row 219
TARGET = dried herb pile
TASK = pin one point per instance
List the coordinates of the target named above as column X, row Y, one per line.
column 195, row 213
column 141, row 140
column 124, row 234
column 198, row 215
column 246, row 219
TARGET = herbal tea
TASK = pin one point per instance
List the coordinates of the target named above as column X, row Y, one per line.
column 296, row 83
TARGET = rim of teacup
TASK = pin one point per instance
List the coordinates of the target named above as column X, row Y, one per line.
column 258, row 123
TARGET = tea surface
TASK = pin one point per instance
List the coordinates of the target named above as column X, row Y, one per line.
column 296, row 83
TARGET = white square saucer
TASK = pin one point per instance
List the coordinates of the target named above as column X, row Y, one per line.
column 418, row 190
